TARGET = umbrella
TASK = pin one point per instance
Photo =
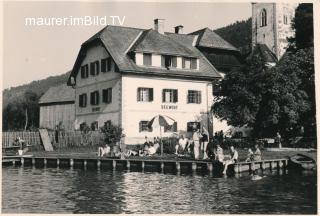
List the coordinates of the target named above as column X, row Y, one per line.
column 161, row 121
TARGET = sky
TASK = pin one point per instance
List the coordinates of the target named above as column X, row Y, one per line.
column 37, row 52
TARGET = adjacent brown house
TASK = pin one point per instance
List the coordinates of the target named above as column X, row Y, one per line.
column 57, row 105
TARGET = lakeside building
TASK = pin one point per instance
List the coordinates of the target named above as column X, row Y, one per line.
column 57, row 106
column 128, row 75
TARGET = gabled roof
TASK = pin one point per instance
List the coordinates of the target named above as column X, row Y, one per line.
column 210, row 39
column 119, row 41
column 267, row 55
column 58, row 94
column 152, row 42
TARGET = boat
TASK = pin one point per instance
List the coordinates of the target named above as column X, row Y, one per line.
column 301, row 162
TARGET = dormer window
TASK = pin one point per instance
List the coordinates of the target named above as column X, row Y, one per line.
column 189, row 63
column 168, row 61
column 147, row 59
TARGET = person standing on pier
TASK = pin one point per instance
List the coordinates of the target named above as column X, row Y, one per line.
column 196, row 141
column 278, row 140
column 204, row 143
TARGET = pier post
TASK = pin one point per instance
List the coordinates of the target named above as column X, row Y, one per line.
column 263, row 165
column 271, row 165
column 194, row 166
column 85, row 164
column 45, row 161
column 114, row 164
column 238, row 168
column 22, row 161
column 252, row 166
column 13, row 163
column 98, row 164
column 58, row 162
column 162, row 166
column 210, row 167
column 178, row 166
column 71, row 162
column 278, row 164
column 33, row 161
column 128, row 164
column 142, row 165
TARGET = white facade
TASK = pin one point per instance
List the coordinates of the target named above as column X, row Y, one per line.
column 134, row 111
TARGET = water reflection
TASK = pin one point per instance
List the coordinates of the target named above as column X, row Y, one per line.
column 52, row 190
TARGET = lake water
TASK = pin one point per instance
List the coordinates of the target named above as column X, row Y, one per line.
column 54, row 190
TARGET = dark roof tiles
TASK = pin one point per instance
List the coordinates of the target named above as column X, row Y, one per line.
column 56, row 94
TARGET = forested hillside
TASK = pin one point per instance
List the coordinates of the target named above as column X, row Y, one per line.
column 238, row 34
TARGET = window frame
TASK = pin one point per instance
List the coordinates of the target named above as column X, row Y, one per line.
column 84, row 71
column 83, row 100
column 173, row 95
column 144, row 128
column 194, row 93
column 107, row 95
column 190, row 128
column 263, row 18
column 149, row 94
column 146, row 61
column 94, row 95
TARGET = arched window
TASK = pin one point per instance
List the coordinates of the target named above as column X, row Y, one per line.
column 285, row 19
column 263, row 17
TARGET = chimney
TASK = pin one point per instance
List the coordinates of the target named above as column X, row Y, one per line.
column 159, row 25
column 178, row 29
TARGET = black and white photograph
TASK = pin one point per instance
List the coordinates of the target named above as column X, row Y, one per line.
column 150, row 107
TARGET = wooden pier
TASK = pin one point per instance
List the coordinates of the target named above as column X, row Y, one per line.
column 137, row 164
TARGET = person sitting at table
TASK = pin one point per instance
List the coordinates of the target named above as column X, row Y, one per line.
column 233, row 160
column 104, row 150
column 152, row 150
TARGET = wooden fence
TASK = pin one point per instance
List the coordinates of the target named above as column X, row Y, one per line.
column 64, row 140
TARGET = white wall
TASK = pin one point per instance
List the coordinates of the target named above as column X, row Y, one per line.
column 134, row 111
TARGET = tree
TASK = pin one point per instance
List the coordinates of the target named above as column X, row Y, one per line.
column 303, row 25
column 113, row 133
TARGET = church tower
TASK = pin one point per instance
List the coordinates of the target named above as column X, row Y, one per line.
column 271, row 25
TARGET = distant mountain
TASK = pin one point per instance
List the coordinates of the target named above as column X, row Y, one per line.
column 39, row 87
column 238, row 34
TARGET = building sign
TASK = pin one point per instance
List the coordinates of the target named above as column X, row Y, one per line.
column 169, row 107
column 95, row 109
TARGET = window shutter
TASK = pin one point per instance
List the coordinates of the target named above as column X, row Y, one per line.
column 163, row 95
column 199, row 97
column 150, row 94
column 174, row 61
column 104, row 93
column 183, row 62
column 103, row 65
column 175, row 96
column 84, row 100
column 82, row 72
column 140, row 126
column 138, row 94
column 163, row 61
column 92, row 98
column 86, row 70
column 109, row 64
column 109, row 95
column 194, row 63
column 147, row 59
column 97, row 67
column 80, row 101
column 175, row 127
column 92, row 68
column 97, row 97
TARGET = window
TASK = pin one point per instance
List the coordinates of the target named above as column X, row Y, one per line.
column 192, row 126
column 94, row 126
column 285, row 19
column 106, row 64
column 83, row 100
column 169, row 95
column 194, row 96
column 168, row 61
column 147, row 59
column 263, row 18
column 189, row 63
column 145, row 94
column 143, row 126
column 84, row 71
column 94, row 98
column 171, row 128
column 94, row 68
column 107, row 95
column 83, row 126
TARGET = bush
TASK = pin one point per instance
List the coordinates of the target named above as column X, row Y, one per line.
column 113, row 133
